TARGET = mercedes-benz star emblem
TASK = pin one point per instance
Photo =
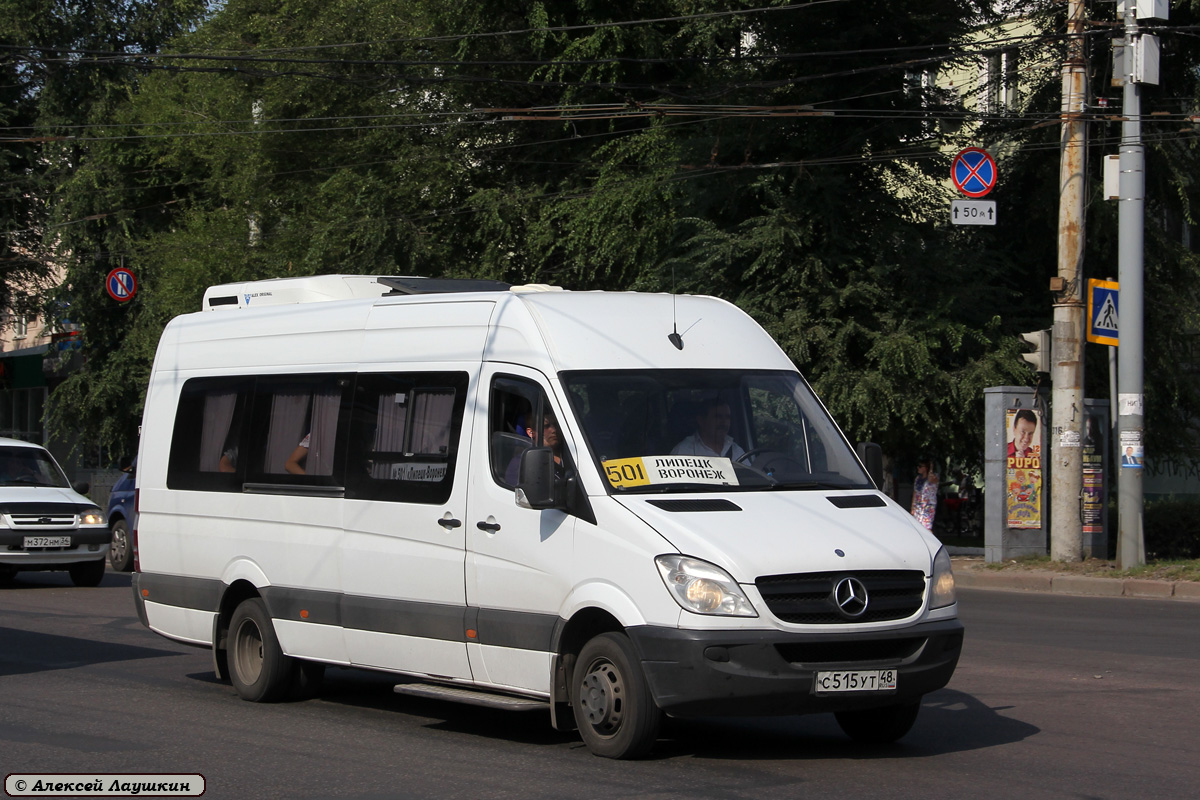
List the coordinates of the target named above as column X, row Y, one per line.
column 851, row 597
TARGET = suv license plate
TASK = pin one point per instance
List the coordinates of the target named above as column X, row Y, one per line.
column 862, row 680
column 47, row 541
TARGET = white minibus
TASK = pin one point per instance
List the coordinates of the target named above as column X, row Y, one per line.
column 613, row 506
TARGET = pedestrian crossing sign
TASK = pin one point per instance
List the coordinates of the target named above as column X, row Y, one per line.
column 1103, row 321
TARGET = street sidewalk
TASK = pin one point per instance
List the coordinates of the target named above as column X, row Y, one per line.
column 970, row 572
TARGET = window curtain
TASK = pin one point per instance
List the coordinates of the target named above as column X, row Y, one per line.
column 218, row 414
column 289, row 412
column 325, row 406
column 431, row 422
column 389, row 423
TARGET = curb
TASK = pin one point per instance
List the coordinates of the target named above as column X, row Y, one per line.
column 1078, row 585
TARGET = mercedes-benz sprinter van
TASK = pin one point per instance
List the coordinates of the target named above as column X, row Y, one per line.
column 611, row 505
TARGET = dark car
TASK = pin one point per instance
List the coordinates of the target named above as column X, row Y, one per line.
column 120, row 519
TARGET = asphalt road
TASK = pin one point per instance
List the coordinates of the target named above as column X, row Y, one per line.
column 1055, row 697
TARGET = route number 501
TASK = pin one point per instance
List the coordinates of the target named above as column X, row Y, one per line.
column 626, row 472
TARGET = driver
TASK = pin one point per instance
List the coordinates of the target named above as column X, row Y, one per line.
column 712, row 433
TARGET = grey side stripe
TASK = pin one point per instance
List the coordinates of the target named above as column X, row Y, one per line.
column 183, row 592
column 517, row 629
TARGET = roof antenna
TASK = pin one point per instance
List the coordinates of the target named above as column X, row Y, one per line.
column 673, row 337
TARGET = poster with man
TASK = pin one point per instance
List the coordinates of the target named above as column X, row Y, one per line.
column 1023, row 474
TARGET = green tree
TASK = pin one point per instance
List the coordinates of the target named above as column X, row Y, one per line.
column 58, row 94
column 785, row 158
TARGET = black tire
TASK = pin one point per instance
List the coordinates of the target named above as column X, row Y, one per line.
column 879, row 725
column 7, row 573
column 88, row 573
column 120, row 551
column 258, row 669
column 611, row 698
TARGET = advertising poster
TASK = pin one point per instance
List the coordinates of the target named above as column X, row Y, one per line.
column 1093, row 476
column 1132, row 452
column 1023, row 475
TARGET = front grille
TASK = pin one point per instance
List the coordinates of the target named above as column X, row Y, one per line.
column 42, row 521
column 850, row 652
column 807, row 598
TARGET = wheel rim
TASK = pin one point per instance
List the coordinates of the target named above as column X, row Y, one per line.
column 119, row 543
column 602, row 697
column 248, row 652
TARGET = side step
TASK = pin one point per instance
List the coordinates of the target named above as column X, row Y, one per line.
column 471, row 697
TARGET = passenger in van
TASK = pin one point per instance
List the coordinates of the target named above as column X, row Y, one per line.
column 228, row 462
column 294, row 463
column 712, row 433
column 550, row 438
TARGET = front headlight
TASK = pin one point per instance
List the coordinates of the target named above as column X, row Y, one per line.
column 941, row 583
column 703, row 588
column 93, row 517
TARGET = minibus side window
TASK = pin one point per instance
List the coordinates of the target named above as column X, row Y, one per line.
column 209, row 435
column 296, row 427
column 404, row 435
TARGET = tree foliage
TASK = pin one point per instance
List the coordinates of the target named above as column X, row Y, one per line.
column 788, row 158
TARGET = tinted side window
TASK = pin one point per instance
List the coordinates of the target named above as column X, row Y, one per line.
column 209, row 435
column 296, row 426
column 404, row 436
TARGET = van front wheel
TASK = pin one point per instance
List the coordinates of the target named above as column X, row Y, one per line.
column 614, row 710
column 258, row 669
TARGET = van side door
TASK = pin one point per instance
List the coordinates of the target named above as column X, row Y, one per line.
column 403, row 599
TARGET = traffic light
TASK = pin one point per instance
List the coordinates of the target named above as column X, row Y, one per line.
column 1041, row 356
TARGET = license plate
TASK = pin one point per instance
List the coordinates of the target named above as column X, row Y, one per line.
column 861, row 680
column 47, row 541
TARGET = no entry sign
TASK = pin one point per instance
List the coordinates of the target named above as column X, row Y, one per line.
column 974, row 172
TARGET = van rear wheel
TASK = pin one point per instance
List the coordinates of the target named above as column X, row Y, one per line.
column 258, row 669
column 89, row 573
column 878, row 725
column 610, row 696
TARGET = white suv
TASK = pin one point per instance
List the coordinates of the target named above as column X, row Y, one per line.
column 45, row 523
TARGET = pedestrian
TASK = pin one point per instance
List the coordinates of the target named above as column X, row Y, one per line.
column 925, row 493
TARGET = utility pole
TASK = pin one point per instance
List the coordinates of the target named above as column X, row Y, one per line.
column 1140, row 66
column 1067, row 417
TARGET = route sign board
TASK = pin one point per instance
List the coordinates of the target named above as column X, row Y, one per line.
column 974, row 172
column 1104, row 323
column 121, row 285
column 973, row 212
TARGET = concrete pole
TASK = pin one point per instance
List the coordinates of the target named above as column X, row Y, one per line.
column 1066, row 430
column 1130, row 255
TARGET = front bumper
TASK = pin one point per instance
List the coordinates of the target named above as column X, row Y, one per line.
column 754, row 673
column 87, row 544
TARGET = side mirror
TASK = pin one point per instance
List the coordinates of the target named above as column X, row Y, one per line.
column 81, row 487
column 871, row 456
column 535, row 482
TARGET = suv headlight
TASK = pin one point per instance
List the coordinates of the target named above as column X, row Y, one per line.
column 941, row 583
column 93, row 517
column 703, row 588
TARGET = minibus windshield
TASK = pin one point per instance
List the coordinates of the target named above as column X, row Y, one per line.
column 658, row 431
